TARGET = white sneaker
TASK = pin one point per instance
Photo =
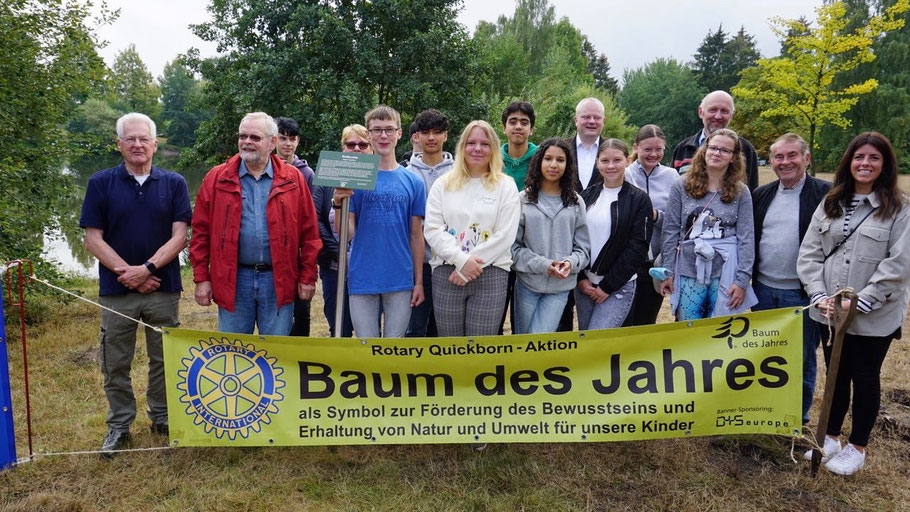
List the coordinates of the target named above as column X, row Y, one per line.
column 847, row 461
column 832, row 447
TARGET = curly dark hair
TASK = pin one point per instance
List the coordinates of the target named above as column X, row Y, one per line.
column 431, row 119
column 885, row 186
column 535, row 174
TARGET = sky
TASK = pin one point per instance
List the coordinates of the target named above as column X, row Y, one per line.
column 630, row 33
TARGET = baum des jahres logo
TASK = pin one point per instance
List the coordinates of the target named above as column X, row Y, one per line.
column 230, row 388
column 728, row 329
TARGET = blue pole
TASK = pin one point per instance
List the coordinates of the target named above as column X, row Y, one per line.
column 7, row 435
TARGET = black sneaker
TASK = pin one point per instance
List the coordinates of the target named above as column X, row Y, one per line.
column 113, row 441
column 160, row 429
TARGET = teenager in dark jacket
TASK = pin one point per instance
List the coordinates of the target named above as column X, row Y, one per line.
column 618, row 222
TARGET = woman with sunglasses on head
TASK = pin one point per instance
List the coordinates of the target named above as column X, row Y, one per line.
column 617, row 218
column 471, row 221
column 859, row 238
column 647, row 173
column 552, row 242
column 708, row 234
column 354, row 139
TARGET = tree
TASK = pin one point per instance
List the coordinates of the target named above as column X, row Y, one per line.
column 326, row 63
column 180, row 97
column 48, row 65
column 132, row 84
column 599, row 66
column 887, row 108
column 92, row 125
column 720, row 59
column 740, row 53
column 709, row 59
column 663, row 92
column 801, row 85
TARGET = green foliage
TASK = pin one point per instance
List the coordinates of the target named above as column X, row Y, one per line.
column 720, row 59
column 182, row 104
column 48, row 63
column 666, row 93
column 132, row 85
column 801, row 85
column 325, row 64
column 887, row 108
column 93, row 125
column 599, row 67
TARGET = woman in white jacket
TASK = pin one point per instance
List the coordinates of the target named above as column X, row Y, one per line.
column 859, row 237
column 471, row 221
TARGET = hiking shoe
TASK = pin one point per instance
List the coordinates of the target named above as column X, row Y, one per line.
column 114, row 440
column 160, row 429
column 832, row 447
column 847, row 461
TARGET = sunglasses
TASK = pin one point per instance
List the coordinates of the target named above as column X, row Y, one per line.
column 359, row 145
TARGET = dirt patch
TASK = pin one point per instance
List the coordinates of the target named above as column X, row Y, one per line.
column 894, row 417
column 86, row 357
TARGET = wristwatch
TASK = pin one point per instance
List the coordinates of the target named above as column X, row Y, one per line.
column 336, row 206
column 151, row 266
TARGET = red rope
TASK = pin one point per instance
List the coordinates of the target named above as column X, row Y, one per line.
column 21, row 305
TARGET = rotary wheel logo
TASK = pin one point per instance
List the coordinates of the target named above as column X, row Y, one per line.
column 230, row 388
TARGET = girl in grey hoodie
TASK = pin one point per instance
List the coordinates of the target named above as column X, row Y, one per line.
column 552, row 242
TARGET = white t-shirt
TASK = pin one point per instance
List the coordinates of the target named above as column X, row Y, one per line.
column 599, row 222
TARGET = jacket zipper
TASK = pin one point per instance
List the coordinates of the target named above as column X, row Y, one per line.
column 227, row 210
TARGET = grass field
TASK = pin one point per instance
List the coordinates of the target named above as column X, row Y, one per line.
column 714, row 473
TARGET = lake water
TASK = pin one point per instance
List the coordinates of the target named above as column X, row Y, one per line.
column 65, row 245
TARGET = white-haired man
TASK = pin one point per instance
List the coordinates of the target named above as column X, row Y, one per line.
column 715, row 111
column 255, row 237
column 135, row 217
column 589, row 123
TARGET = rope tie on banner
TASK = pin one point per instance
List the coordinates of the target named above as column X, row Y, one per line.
column 83, row 299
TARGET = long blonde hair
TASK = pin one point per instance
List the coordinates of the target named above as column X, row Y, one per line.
column 460, row 174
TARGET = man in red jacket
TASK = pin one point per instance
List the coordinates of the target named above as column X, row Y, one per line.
column 255, row 237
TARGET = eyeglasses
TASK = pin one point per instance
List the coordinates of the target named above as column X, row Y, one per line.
column 379, row 131
column 130, row 141
column 358, row 145
column 244, row 136
column 649, row 151
column 722, row 151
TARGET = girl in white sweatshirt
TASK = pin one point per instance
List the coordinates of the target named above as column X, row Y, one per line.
column 471, row 220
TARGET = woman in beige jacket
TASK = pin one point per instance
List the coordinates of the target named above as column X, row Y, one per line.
column 859, row 237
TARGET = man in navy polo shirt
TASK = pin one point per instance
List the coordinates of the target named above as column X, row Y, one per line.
column 135, row 218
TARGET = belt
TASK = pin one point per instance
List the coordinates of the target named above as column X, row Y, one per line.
column 258, row 267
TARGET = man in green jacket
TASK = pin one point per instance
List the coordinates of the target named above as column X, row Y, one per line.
column 518, row 125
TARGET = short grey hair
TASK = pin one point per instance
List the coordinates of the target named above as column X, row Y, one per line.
column 135, row 117
column 718, row 93
column 589, row 100
column 271, row 127
column 790, row 138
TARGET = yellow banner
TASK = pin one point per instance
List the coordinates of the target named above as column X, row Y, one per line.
column 727, row 375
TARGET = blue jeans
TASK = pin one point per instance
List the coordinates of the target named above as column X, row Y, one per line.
column 423, row 322
column 772, row 298
column 537, row 312
column 329, row 280
column 367, row 309
column 255, row 303
column 608, row 314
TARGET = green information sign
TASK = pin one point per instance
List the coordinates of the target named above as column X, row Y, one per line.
column 347, row 170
